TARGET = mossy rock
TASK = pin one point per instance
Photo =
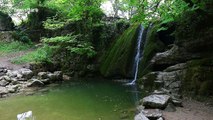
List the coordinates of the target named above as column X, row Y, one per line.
column 118, row 61
column 198, row 77
column 151, row 47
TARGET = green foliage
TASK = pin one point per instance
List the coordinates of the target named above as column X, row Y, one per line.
column 146, row 11
column 71, row 44
column 53, row 23
column 8, row 47
column 22, row 37
column 26, row 4
column 42, row 54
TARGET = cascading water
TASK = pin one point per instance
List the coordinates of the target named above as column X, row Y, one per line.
column 137, row 56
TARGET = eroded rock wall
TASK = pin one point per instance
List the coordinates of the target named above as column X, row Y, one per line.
column 186, row 65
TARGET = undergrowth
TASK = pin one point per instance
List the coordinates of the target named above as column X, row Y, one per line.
column 15, row 46
column 40, row 55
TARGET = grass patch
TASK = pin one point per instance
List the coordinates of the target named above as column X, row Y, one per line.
column 40, row 55
column 15, row 46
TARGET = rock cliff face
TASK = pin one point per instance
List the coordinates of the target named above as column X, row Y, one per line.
column 186, row 65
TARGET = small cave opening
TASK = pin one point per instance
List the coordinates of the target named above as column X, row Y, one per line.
column 166, row 36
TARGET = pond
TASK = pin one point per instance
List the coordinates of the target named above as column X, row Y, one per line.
column 82, row 100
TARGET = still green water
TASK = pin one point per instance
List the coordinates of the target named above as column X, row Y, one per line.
column 96, row 100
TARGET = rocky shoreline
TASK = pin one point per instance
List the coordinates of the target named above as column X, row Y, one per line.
column 16, row 81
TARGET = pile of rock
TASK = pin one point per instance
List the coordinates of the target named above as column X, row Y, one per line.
column 14, row 81
column 166, row 95
column 151, row 106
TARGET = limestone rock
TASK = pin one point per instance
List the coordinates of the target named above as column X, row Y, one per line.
column 159, row 92
column 43, row 75
column 152, row 114
column 161, row 118
column 35, row 83
column 140, row 108
column 26, row 73
column 140, row 116
column 176, row 67
column 7, row 78
column 57, row 75
column 66, row 77
column 11, row 73
column 156, row 101
column 3, row 83
column 173, row 56
column 25, row 116
column 12, row 88
column 3, row 91
column 46, row 81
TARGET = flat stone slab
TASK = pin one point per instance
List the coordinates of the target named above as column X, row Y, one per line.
column 156, row 101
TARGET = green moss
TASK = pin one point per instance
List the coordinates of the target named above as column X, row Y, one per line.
column 198, row 77
column 119, row 59
column 151, row 47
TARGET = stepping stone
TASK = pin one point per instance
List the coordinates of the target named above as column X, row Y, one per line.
column 156, row 101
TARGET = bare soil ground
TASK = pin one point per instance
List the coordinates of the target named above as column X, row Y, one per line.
column 5, row 60
column 192, row 110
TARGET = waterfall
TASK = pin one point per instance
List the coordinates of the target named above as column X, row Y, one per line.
column 138, row 55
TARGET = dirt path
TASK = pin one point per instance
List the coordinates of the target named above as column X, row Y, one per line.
column 192, row 110
column 5, row 60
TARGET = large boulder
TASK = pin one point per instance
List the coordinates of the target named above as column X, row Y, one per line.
column 6, row 23
column 171, row 57
column 156, row 101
